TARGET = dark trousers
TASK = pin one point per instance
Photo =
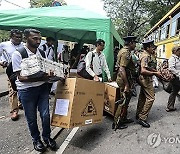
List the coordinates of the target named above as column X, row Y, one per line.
column 173, row 94
column 33, row 99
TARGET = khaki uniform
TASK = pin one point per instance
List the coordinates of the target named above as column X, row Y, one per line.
column 124, row 59
column 146, row 96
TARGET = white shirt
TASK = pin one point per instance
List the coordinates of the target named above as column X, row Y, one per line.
column 174, row 65
column 49, row 52
column 16, row 63
column 7, row 49
column 99, row 64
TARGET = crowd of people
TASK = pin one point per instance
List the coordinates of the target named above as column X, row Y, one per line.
column 132, row 68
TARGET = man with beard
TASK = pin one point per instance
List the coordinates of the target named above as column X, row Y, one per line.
column 33, row 93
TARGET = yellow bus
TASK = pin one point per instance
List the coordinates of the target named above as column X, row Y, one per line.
column 166, row 33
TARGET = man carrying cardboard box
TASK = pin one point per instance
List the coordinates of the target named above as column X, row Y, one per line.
column 33, row 93
column 98, row 61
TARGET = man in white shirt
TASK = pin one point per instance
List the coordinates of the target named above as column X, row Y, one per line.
column 174, row 67
column 33, row 93
column 98, row 60
column 7, row 49
column 48, row 48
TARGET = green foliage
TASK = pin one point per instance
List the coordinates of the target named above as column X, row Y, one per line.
column 44, row 3
column 4, row 35
column 41, row 3
column 158, row 8
column 136, row 17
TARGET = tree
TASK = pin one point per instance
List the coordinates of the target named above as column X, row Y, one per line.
column 136, row 17
column 4, row 35
column 129, row 16
column 44, row 3
column 158, row 8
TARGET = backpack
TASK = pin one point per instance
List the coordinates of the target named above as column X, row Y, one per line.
column 81, row 68
column 166, row 74
column 9, row 70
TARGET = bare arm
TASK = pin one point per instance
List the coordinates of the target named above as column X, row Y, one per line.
column 27, row 79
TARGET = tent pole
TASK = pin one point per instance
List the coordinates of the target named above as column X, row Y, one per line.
column 55, row 46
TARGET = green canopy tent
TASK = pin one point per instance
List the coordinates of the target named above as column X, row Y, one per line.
column 70, row 23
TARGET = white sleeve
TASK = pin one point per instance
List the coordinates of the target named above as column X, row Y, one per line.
column 16, row 61
column 105, row 67
column 41, row 47
column 172, row 66
column 51, row 54
column 3, row 58
column 88, row 59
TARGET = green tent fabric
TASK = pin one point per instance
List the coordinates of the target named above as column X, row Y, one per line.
column 70, row 23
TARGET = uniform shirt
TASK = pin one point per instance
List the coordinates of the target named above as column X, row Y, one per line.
column 16, row 63
column 49, row 52
column 124, row 59
column 174, row 65
column 7, row 49
column 146, row 60
column 99, row 64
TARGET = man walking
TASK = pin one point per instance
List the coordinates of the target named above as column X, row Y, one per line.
column 96, row 62
column 7, row 49
column 48, row 48
column 125, row 81
column 33, row 93
column 147, row 95
column 174, row 67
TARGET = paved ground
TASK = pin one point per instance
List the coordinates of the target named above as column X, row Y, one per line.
column 3, row 82
column 163, row 136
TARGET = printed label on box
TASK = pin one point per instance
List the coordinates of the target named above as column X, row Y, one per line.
column 62, row 106
column 88, row 121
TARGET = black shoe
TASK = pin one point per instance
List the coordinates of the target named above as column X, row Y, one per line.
column 120, row 126
column 143, row 123
column 51, row 144
column 39, row 146
column 127, row 121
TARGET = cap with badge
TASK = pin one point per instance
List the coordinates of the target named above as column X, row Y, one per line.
column 130, row 39
column 148, row 42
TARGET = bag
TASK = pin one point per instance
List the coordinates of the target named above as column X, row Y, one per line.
column 81, row 68
column 166, row 74
column 9, row 70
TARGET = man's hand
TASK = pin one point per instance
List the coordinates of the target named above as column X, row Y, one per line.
column 109, row 80
column 158, row 74
column 126, row 88
column 51, row 73
column 96, row 78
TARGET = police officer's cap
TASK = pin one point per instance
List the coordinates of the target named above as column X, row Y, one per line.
column 130, row 39
column 148, row 42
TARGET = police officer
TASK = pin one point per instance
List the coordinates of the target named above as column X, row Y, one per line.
column 146, row 96
column 125, row 81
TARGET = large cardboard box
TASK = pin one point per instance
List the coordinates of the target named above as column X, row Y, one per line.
column 78, row 102
column 112, row 94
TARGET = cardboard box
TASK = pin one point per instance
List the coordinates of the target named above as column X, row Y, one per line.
column 112, row 94
column 78, row 102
